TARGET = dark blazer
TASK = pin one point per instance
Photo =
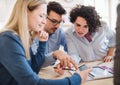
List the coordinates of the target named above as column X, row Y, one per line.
column 117, row 53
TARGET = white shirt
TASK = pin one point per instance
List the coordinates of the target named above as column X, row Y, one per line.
column 80, row 48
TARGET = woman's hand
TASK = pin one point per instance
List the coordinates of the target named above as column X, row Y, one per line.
column 110, row 55
column 108, row 59
column 59, row 69
column 84, row 74
column 42, row 35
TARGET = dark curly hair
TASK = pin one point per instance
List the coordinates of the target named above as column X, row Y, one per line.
column 56, row 7
column 89, row 14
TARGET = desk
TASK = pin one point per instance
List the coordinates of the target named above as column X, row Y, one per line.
column 48, row 73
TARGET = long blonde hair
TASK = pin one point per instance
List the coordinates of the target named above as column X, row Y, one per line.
column 18, row 21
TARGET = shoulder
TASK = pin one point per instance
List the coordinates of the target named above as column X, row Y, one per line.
column 9, row 36
column 59, row 31
column 104, row 26
column 58, row 34
column 106, row 29
column 10, row 41
column 103, row 23
column 70, row 30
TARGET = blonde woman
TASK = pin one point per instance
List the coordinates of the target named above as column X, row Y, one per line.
column 16, row 67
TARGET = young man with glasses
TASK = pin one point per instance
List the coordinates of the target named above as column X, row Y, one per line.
column 56, row 37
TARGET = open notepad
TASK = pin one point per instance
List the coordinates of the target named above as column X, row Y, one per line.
column 101, row 72
column 98, row 72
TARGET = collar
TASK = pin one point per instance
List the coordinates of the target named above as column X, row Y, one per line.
column 88, row 37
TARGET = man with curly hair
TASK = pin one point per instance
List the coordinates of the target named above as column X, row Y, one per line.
column 89, row 38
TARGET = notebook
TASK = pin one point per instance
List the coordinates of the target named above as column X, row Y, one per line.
column 97, row 72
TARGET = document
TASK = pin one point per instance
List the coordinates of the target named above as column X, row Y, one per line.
column 99, row 72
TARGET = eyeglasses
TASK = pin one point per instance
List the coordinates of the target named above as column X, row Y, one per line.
column 55, row 22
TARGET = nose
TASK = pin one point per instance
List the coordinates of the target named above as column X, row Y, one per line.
column 80, row 29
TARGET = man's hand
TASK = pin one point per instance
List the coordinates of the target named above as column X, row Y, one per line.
column 65, row 59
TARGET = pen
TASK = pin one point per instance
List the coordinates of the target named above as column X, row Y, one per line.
column 91, row 75
column 66, row 69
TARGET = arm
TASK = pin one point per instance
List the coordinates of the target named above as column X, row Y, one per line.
column 111, row 51
column 111, row 43
column 49, row 59
column 36, row 49
column 64, row 58
column 16, row 64
column 57, row 40
column 38, row 58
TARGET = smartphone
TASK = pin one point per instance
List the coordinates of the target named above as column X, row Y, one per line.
column 83, row 67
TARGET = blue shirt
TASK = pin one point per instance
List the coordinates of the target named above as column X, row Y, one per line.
column 54, row 42
column 15, row 69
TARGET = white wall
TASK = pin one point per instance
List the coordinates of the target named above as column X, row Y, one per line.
column 5, row 9
column 6, row 6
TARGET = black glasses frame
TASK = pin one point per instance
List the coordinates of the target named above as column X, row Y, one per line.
column 55, row 22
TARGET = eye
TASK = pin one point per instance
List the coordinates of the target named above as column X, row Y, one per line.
column 78, row 25
column 41, row 16
column 54, row 21
column 86, row 26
